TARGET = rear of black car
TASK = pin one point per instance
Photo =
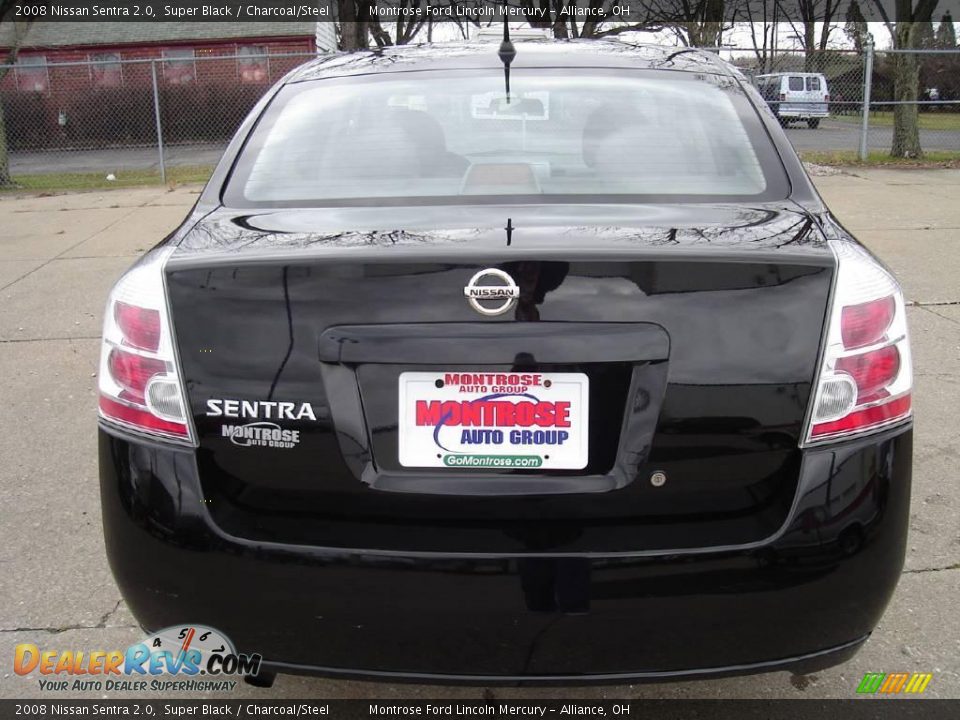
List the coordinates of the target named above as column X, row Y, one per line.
column 673, row 440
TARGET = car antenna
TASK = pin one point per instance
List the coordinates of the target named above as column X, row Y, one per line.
column 507, row 52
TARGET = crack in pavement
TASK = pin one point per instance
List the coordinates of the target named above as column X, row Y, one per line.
column 857, row 231
column 101, row 625
column 50, row 339
column 931, row 303
column 90, row 207
column 955, row 566
column 61, row 254
column 930, row 310
column 99, row 257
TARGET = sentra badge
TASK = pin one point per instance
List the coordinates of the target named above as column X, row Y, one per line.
column 502, row 294
column 260, row 410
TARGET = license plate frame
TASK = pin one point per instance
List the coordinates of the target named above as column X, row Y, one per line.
column 471, row 420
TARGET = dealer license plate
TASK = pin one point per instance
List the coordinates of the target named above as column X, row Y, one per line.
column 494, row 421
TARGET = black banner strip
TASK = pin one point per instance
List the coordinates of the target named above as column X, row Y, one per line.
column 857, row 709
column 475, row 11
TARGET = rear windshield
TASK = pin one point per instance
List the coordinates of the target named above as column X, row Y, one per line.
column 457, row 136
column 796, row 83
column 813, row 83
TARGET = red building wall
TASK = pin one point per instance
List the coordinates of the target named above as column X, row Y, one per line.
column 208, row 68
column 71, row 103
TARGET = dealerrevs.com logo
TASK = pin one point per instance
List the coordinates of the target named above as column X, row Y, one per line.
column 894, row 683
column 192, row 658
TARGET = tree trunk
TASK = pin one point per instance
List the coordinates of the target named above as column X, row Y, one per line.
column 19, row 32
column 711, row 36
column 353, row 35
column 906, row 81
column 353, row 30
column 810, row 47
column 5, row 178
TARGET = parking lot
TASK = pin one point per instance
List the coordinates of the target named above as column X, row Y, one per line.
column 60, row 254
column 835, row 134
column 844, row 134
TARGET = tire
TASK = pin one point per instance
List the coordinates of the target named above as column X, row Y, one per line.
column 263, row 679
column 813, row 123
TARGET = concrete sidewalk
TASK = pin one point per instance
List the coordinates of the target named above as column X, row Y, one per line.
column 59, row 256
column 114, row 160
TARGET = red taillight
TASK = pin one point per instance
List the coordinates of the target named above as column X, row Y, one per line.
column 142, row 419
column 872, row 371
column 865, row 380
column 133, row 372
column 783, row 96
column 826, row 98
column 140, row 326
column 859, row 419
column 139, row 380
column 866, row 323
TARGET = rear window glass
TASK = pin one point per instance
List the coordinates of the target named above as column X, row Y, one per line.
column 796, row 83
column 433, row 135
column 813, row 83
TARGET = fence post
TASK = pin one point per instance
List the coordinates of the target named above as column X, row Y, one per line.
column 867, row 87
column 156, row 113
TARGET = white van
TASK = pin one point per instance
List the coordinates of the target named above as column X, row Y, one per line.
column 796, row 96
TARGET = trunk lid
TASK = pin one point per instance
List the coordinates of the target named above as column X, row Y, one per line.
column 696, row 327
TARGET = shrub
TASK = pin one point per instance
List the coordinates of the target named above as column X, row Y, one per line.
column 105, row 117
column 124, row 116
column 27, row 120
column 205, row 112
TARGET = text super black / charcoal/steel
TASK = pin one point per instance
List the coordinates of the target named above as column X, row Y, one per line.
column 571, row 378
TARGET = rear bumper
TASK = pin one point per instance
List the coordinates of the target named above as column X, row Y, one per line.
column 805, row 599
column 803, row 114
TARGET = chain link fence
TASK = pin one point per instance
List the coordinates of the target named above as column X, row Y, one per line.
column 820, row 97
column 937, row 105
column 115, row 116
column 150, row 116
column 818, row 91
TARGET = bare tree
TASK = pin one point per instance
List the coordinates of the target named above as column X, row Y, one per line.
column 856, row 27
column 946, row 33
column 803, row 16
column 354, row 24
column 906, row 30
column 699, row 23
column 926, row 38
column 359, row 24
column 761, row 18
column 556, row 16
column 18, row 33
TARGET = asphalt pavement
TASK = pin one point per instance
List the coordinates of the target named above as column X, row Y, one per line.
column 844, row 134
column 833, row 134
column 58, row 257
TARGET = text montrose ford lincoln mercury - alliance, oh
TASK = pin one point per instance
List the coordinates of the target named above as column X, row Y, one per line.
column 534, row 363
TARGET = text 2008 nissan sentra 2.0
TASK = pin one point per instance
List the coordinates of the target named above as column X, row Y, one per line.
column 442, row 380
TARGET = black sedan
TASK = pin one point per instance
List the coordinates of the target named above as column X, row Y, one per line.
column 546, row 364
